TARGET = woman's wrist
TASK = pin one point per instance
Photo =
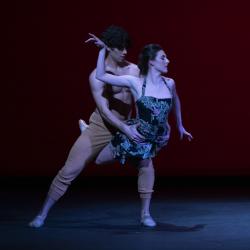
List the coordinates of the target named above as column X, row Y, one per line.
column 103, row 47
column 180, row 127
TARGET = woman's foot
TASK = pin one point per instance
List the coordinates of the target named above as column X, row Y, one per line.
column 148, row 221
column 38, row 221
column 82, row 125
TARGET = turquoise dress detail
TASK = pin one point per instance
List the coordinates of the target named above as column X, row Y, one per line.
column 152, row 115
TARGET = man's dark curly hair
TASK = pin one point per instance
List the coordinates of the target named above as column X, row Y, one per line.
column 116, row 37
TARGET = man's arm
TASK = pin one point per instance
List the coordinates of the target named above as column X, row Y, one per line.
column 97, row 89
column 116, row 80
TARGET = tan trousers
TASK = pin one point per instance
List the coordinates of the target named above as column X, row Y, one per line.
column 86, row 148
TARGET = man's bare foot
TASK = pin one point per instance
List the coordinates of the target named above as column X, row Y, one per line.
column 82, row 125
column 38, row 221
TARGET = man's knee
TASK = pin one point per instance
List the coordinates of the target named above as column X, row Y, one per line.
column 70, row 172
column 102, row 161
column 98, row 160
column 105, row 156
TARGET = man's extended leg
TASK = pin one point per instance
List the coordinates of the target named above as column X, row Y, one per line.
column 80, row 154
column 85, row 149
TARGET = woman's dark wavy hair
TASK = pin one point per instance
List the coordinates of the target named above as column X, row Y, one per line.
column 116, row 37
column 148, row 53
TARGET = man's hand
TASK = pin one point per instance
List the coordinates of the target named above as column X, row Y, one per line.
column 132, row 133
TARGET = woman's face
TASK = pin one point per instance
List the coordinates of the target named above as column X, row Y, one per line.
column 160, row 62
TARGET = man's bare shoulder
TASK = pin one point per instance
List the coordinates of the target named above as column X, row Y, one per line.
column 132, row 69
column 132, row 65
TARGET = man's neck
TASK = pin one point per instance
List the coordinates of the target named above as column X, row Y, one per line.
column 111, row 63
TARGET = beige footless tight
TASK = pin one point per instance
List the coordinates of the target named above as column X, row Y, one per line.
column 85, row 149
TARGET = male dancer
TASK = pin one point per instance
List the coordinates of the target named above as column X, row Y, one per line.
column 113, row 108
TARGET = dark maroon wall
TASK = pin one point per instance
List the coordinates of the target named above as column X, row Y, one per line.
column 208, row 46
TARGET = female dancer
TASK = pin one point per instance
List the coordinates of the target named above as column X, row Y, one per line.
column 154, row 96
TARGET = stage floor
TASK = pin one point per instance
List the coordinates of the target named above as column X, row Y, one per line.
column 96, row 216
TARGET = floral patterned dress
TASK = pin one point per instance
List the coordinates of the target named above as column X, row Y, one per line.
column 152, row 115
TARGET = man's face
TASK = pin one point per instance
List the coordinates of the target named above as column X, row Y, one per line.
column 118, row 55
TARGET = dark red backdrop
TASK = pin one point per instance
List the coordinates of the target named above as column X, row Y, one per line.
column 208, row 46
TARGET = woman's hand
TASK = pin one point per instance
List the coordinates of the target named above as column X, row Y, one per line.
column 98, row 42
column 184, row 133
